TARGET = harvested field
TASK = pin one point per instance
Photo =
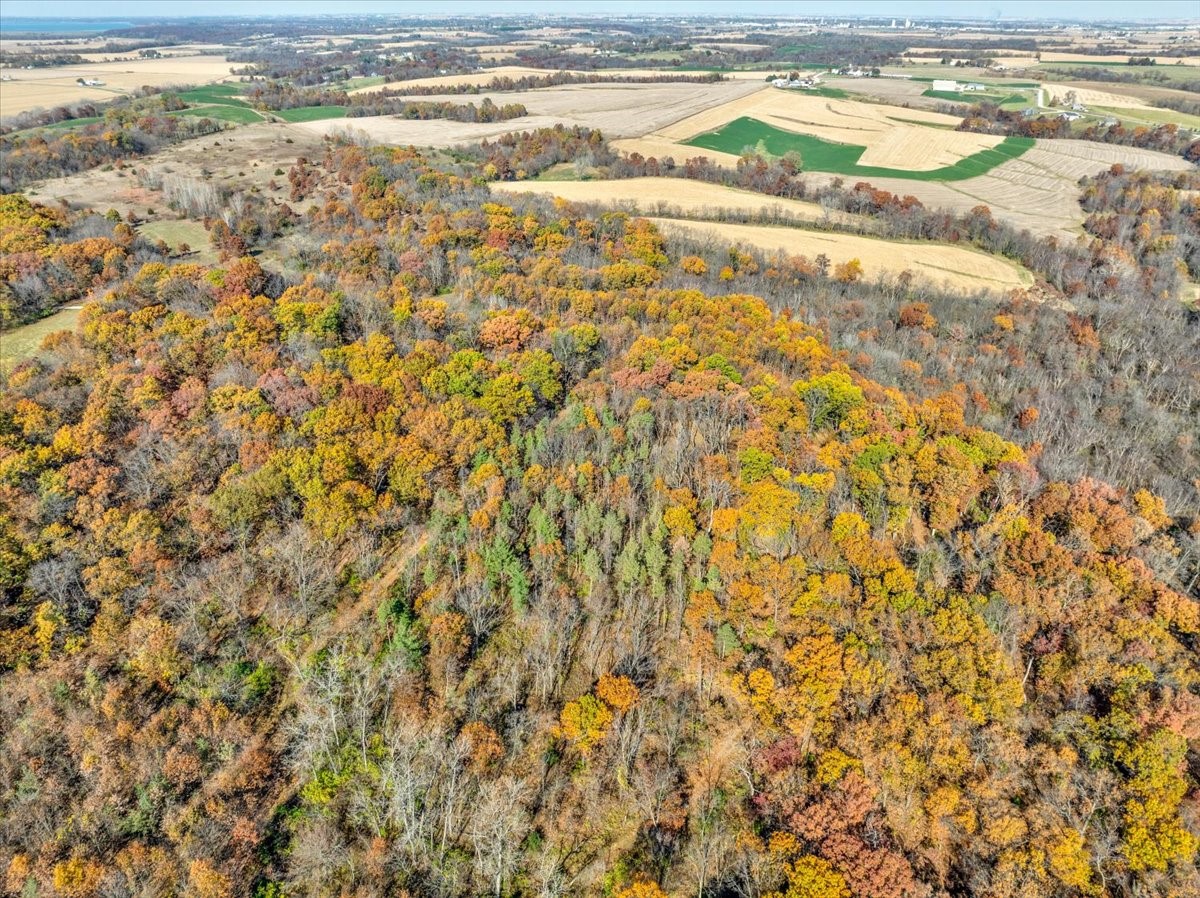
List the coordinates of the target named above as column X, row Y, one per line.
column 1144, row 93
column 661, row 148
column 678, row 195
column 888, row 133
column 955, row 267
column 1075, row 158
column 516, row 71
column 1092, row 97
column 893, row 90
column 1114, row 58
column 427, row 133
column 616, row 109
column 54, row 86
column 475, row 78
column 1039, row 191
column 1015, row 61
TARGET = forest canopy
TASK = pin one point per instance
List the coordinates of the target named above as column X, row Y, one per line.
column 508, row 548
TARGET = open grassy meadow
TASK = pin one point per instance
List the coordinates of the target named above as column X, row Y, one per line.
column 22, row 342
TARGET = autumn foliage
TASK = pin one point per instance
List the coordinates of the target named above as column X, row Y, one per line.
column 499, row 549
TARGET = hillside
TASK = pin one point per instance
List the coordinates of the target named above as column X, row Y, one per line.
column 487, row 549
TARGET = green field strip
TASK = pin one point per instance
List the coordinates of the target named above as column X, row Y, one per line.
column 237, row 114
column 215, row 95
column 310, row 113
column 973, row 97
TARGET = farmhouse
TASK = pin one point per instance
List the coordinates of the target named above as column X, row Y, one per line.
column 944, row 84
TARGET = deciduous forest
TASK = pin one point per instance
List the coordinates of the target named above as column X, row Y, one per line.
column 512, row 549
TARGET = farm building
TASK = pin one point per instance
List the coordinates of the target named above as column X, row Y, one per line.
column 944, row 84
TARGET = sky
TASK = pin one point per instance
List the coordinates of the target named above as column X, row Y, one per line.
column 1023, row 9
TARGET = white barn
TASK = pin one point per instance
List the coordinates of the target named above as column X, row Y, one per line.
column 944, row 84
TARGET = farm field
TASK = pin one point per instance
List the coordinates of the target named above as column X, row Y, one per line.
column 898, row 91
column 1030, row 185
column 1092, row 96
column 310, row 113
column 1162, row 75
column 53, row 86
column 1115, row 59
column 904, row 146
column 1148, row 115
column 952, row 266
column 889, row 136
column 652, row 146
column 1145, row 93
column 1012, row 62
column 516, row 71
column 215, row 94
column 679, row 195
column 1039, row 191
column 615, row 109
column 423, row 133
column 472, row 79
column 972, row 97
column 236, row 115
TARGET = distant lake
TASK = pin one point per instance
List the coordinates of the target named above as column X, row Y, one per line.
column 59, row 26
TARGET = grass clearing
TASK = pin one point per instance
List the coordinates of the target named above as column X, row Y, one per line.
column 176, row 233
column 311, row 113
column 22, row 342
column 843, row 158
column 562, row 171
